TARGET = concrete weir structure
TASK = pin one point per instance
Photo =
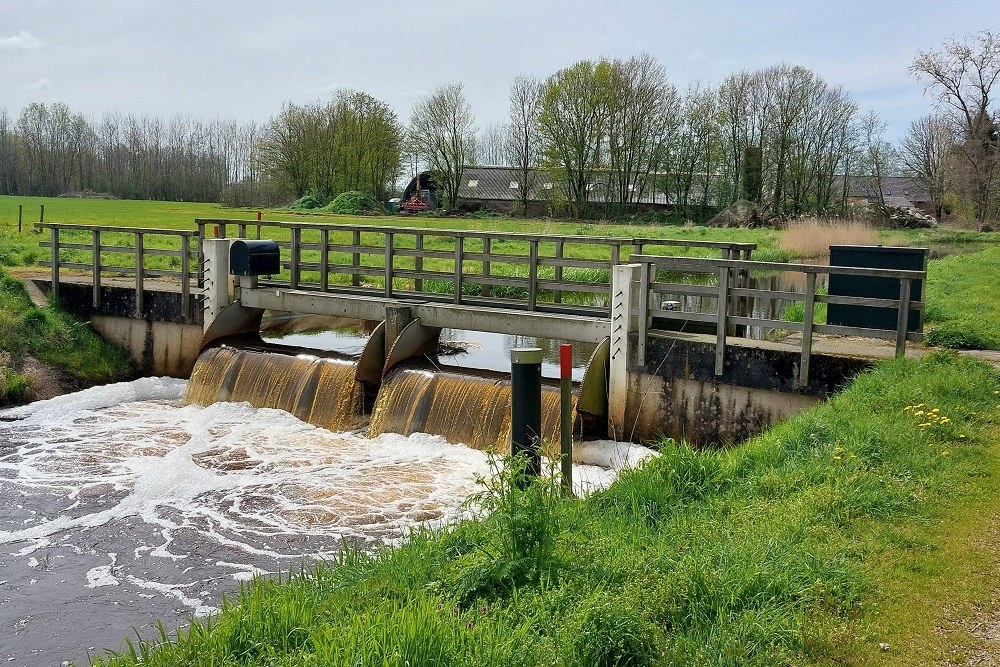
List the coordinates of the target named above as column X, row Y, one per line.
column 674, row 357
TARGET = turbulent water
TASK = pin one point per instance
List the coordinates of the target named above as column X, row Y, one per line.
column 123, row 506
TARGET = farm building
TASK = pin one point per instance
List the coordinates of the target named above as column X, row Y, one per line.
column 499, row 189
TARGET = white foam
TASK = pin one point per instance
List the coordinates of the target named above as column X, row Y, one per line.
column 54, row 410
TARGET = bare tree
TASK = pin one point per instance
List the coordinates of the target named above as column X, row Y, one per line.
column 443, row 128
column 877, row 158
column 523, row 141
column 491, row 145
column 574, row 112
column 925, row 152
column 962, row 75
column 644, row 113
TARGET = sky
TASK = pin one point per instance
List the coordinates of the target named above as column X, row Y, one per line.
column 244, row 59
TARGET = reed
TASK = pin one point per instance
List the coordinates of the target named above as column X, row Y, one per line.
column 811, row 238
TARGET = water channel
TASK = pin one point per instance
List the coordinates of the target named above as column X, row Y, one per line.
column 124, row 505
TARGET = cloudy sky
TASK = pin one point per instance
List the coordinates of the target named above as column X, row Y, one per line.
column 243, row 59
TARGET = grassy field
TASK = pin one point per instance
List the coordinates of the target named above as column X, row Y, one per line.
column 55, row 337
column 962, row 309
column 787, row 550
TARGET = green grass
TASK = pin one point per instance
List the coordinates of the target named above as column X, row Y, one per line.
column 55, row 337
column 776, row 552
column 962, row 310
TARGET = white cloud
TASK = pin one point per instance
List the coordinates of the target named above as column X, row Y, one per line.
column 22, row 40
column 41, row 84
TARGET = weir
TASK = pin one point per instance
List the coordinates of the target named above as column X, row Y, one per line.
column 672, row 355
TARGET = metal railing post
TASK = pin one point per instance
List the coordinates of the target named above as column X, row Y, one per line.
column 533, row 274
column 459, row 248
column 54, row 247
column 807, row 329
column 388, row 263
column 324, row 259
column 903, row 321
column 557, row 297
column 723, row 312
column 139, row 275
column 418, row 261
column 186, row 276
column 296, row 250
column 95, row 282
column 356, row 258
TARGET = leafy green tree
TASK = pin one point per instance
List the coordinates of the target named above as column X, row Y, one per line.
column 443, row 132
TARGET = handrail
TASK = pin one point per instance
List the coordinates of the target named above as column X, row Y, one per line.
column 723, row 318
column 138, row 251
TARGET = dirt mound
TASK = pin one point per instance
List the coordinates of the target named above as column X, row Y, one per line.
column 740, row 213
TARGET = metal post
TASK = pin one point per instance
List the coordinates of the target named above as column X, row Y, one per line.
column 139, row 274
column 324, row 259
column 20, row 211
column 418, row 262
column 566, row 416
column 356, row 258
column 459, row 248
column 41, row 213
column 721, row 322
column 54, row 245
column 487, row 289
column 296, row 256
column 903, row 321
column 557, row 297
column 388, row 263
column 186, row 276
column 533, row 274
column 807, row 329
column 95, row 286
column 526, row 407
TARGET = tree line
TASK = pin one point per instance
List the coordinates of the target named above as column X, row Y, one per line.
column 604, row 134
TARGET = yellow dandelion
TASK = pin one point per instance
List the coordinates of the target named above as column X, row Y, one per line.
column 962, row 436
column 918, row 413
column 936, row 410
column 836, row 457
column 907, row 408
column 924, row 425
column 946, row 453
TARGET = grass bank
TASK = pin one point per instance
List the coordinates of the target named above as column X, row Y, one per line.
column 777, row 552
column 962, row 309
column 54, row 337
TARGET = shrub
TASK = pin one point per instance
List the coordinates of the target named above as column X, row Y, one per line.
column 311, row 200
column 355, row 203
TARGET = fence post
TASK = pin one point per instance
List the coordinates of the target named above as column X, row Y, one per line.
column 54, row 246
column 20, row 211
column 643, row 312
column 459, row 248
column 903, row 321
column 186, row 276
column 559, row 271
column 533, row 274
column 807, row 329
column 324, row 259
column 723, row 313
column 356, row 258
column 487, row 289
column 139, row 275
column 418, row 261
column 41, row 213
column 296, row 251
column 95, row 283
column 388, row 263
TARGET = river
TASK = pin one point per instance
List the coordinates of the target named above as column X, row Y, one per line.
column 122, row 506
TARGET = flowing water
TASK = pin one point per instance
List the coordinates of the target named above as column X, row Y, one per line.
column 123, row 505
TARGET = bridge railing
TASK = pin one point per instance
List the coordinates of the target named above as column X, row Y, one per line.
column 102, row 251
column 566, row 273
column 723, row 299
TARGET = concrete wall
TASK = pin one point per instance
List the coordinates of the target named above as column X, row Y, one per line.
column 158, row 348
column 676, row 393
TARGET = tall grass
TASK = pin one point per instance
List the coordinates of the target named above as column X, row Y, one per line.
column 757, row 555
column 810, row 238
column 53, row 336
